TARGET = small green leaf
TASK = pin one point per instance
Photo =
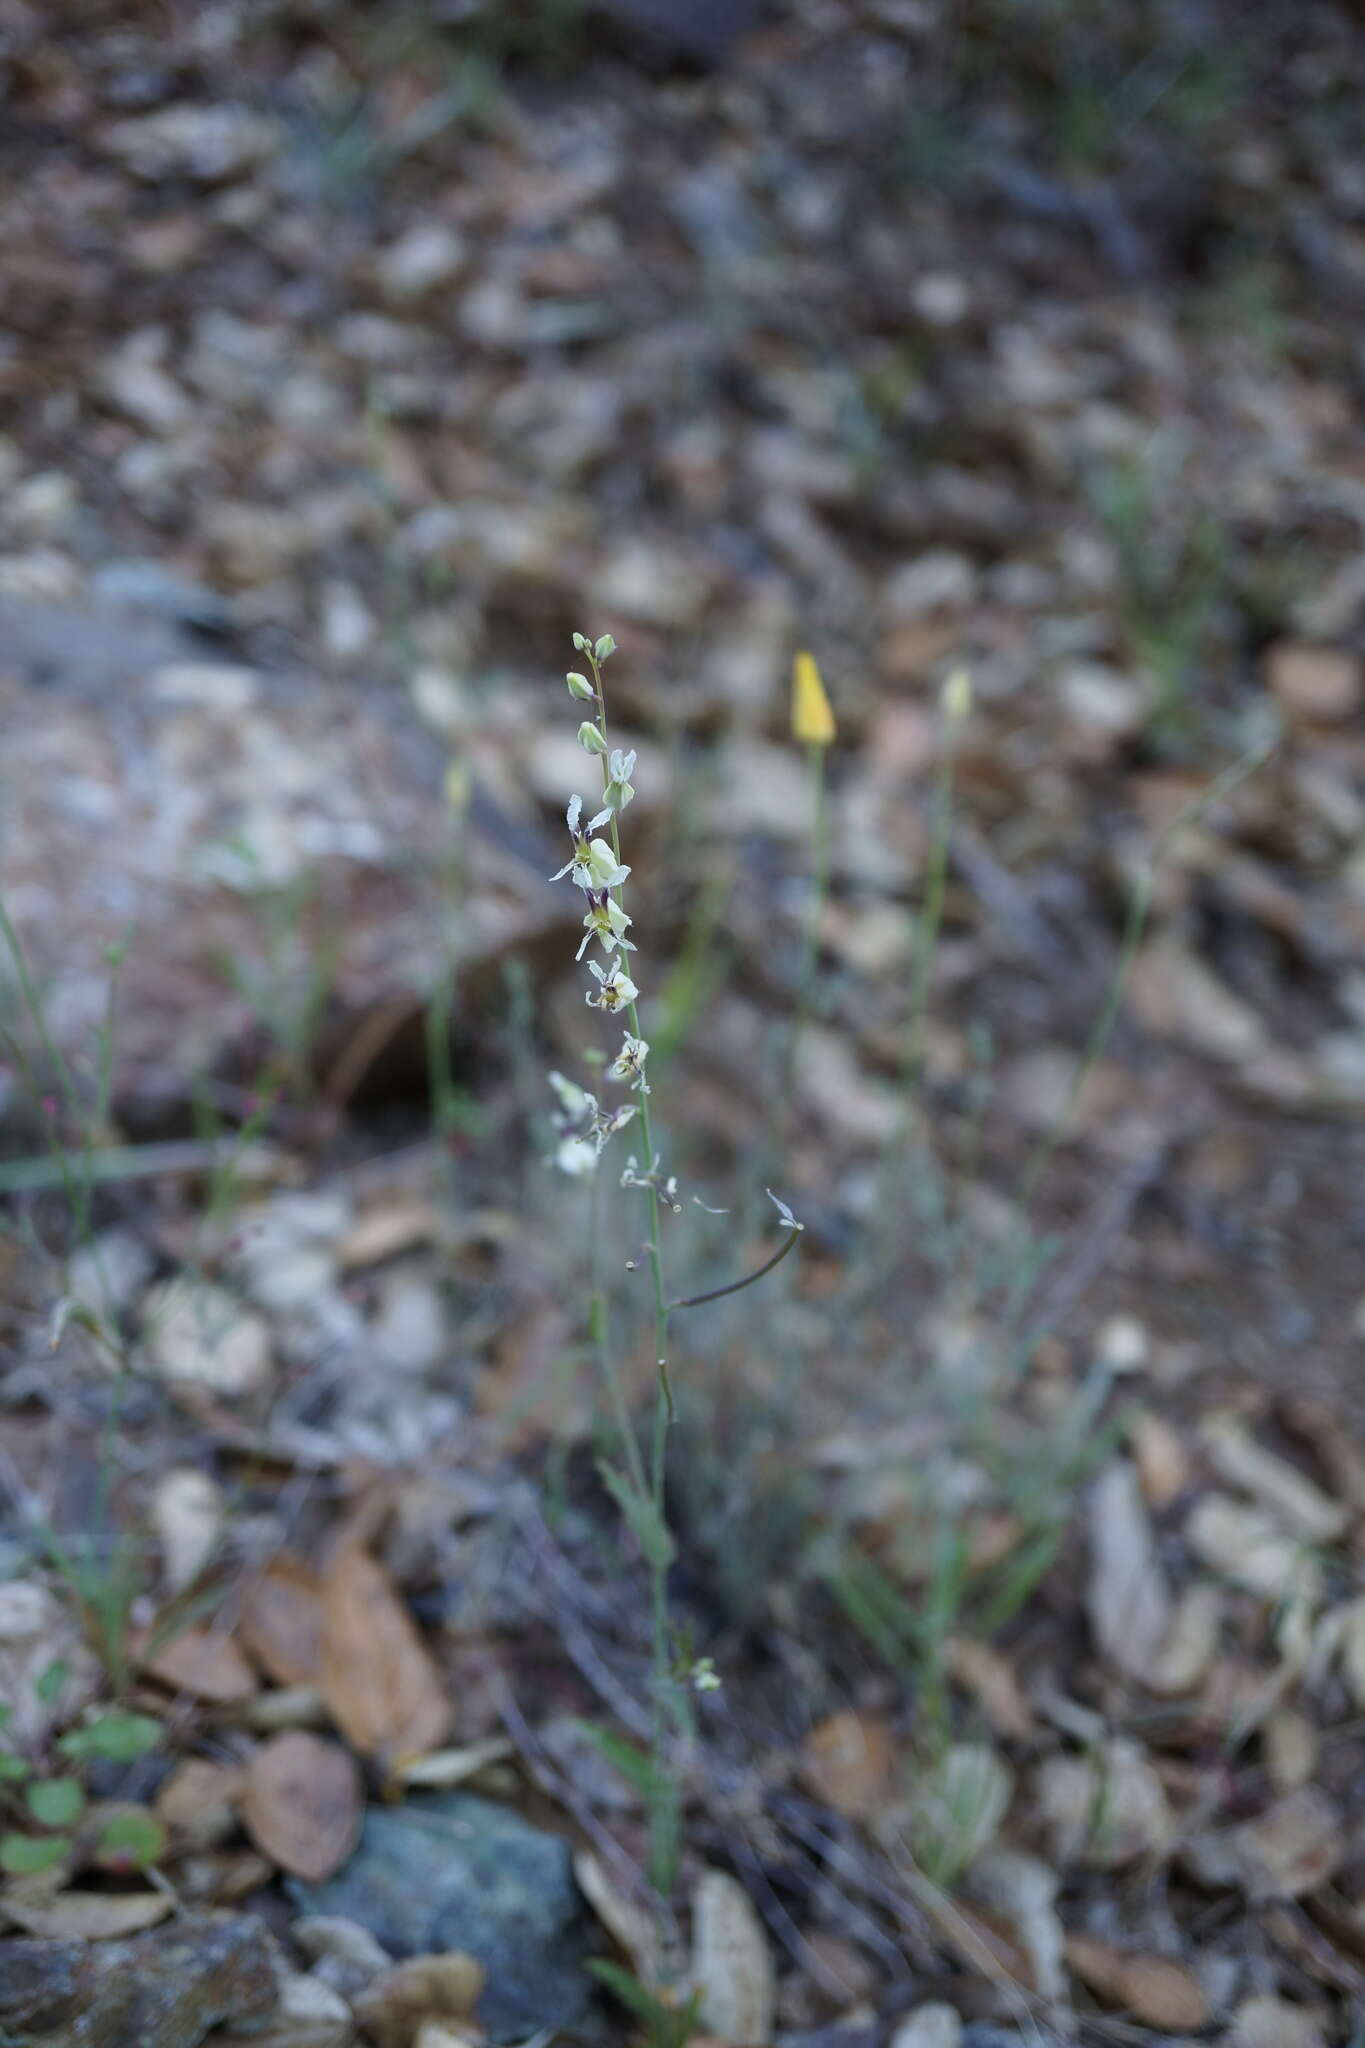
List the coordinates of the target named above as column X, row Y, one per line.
column 6, row 1711
column 12, row 1768
column 52, row 1680
column 641, row 1517
column 118, row 1738
column 130, row 1840
column 56, row 1802
column 25, row 1855
column 635, row 1767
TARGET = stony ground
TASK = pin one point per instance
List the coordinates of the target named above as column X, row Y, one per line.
column 352, row 359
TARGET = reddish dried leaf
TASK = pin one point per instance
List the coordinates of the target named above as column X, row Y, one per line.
column 378, row 1678
column 301, row 1804
column 282, row 1622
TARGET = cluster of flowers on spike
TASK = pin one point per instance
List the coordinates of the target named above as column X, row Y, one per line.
column 594, row 867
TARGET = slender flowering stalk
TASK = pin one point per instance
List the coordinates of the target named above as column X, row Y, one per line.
column 585, row 1126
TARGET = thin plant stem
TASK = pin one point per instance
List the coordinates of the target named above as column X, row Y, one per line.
column 662, row 1801
column 810, row 952
column 737, row 1286
column 931, row 914
column 599, row 1328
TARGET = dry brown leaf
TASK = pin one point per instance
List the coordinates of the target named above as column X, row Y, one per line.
column 1128, row 1599
column 1287, row 1495
column 1190, row 1645
column 1319, row 1425
column 282, row 1622
column 1290, row 1746
column 629, row 1926
column 1106, row 1809
column 1162, row 1461
column 206, row 1663
column 991, row 1680
column 732, row 1966
column 378, row 1678
column 301, row 1804
column 444, row 1987
column 847, row 1761
column 1251, row 1549
column 1025, row 1889
column 383, row 1233
column 85, row 1916
column 198, row 1802
column 1291, row 1848
column 1157, row 1991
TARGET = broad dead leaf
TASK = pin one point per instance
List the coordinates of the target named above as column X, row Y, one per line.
column 628, row 1925
column 1190, row 1644
column 301, row 1804
column 188, row 1513
column 86, row 1916
column 1289, row 1744
column 1287, row 1495
column 1291, row 1848
column 1251, row 1549
column 1026, row 1890
column 1128, row 1597
column 206, row 1663
column 732, row 1966
column 378, row 1678
column 847, row 1762
column 282, row 1622
column 1106, row 1809
column 1157, row 1991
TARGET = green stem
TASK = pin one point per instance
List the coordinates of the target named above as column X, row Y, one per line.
column 810, row 954
column 931, row 913
column 662, row 1802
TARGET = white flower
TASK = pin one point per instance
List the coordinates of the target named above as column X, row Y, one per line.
column 605, row 921
column 605, row 1127
column 607, row 871
column 629, row 1064
column 580, row 863
column 574, row 1102
column 620, row 789
column 616, row 990
column 577, row 1157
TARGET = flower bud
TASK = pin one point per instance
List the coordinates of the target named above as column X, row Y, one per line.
column 581, row 642
column 956, row 697
column 590, row 739
column 812, row 718
column 604, row 649
column 579, row 686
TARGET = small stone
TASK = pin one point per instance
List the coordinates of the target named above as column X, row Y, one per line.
column 409, row 1333
column 209, row 143
column 195, row 1331
column 1268, row 2021
column 941, row 298
column 160, row 1990
column 459, row 1872
column 1320, row 685
column 219, row 686
column 189, row 1516
column 429, row 255
column 929, row 2026
column 348, row 627
column 940, row 580
column 346, row 1941
column 109, row 1272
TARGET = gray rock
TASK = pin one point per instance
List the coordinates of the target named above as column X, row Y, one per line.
column 160, row 1990
column 457, row 1872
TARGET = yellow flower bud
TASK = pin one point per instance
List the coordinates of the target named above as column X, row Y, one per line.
column 812, row 718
